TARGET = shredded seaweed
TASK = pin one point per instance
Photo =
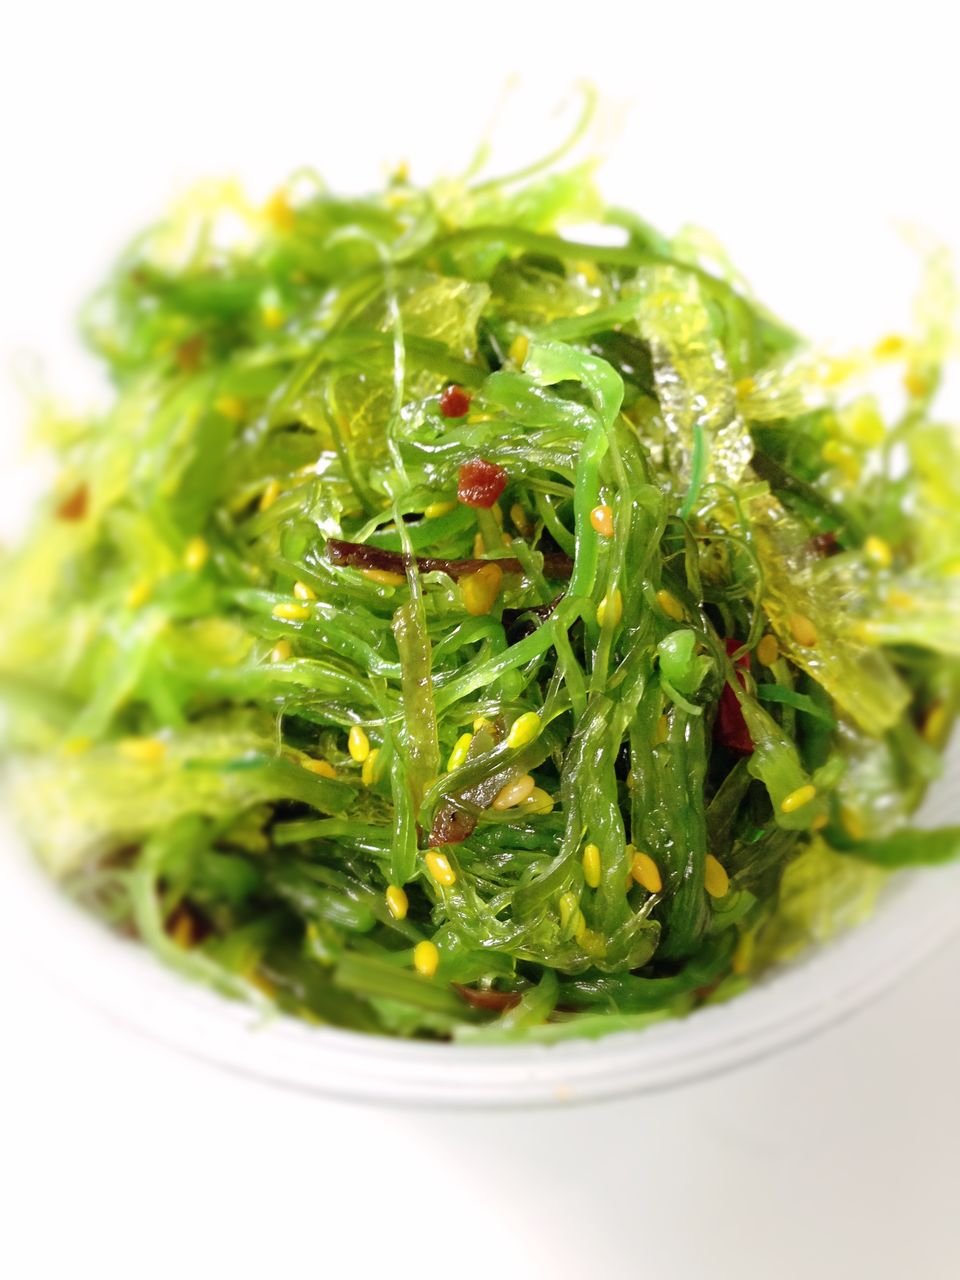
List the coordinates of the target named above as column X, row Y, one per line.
column 455, row 628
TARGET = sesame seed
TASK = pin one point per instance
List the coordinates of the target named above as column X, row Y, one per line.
column 518, row 349
column 281, row 651
column 323, row 768
column 436, row 509
column 834, row 451
column 287, row 611
column 892, row 345
column 588, row 270
column 277, row 211
column 589, row 940
column 426, row 958
column 524, row 730
column 852, row 824
column 384, row 577
column 646, row 872
column 520, row 519
column 368, row 770
column 611, row 606
column 802, row 630
column 514, row 793
column 303, row 592
column 878, row 551
column 459, row 753
column 358, row 744
column 670, row 605
column 601, row 518
column 797, row 799
column 481, row 589
column 743, row 955
column 898, row 599
column 143, row 750
column 864, row 424
column 569, row 910
column 768, row 651
column 715, row 879
column 838, row 371
column 196, row 554
column 438, row 864
column 139, row 593
column 843, row 458
column 181, row 929
column 539, row 801
column 935, row 723
column 270, row 494
column 231, row 407
column 591, row 865
column 397, row 902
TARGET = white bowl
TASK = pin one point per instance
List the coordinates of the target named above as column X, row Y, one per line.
column 918, row 911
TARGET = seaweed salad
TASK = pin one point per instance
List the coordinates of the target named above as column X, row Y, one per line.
column 468, row 625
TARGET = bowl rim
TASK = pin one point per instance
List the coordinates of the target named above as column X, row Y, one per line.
column 918, row 912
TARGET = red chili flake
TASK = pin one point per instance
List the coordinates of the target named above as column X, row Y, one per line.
column 187, row 925
column 189, row 353
column 481, row 483
column 731, row 645
column 74, row 505
column 704, row 993
column 454, row 402
column 825, row 544
column 730, row 728
column 359, row 555
column 495, row 1000
column 452, row 825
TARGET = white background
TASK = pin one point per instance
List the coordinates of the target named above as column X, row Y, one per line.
column 836, row 1161
column 801, row 134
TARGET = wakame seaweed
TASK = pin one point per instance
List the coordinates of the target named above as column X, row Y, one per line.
column 455, row 627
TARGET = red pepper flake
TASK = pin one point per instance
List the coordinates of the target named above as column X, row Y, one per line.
column 454, row 402
column 495, row 1000
column 825, row 544
column 481, row 483
column 731, row 645
column 189, row 353
column 704, row 993
column 730, row 728
column 186, row 925
column 452, row 825
column 360, row 556
column 74, row 505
